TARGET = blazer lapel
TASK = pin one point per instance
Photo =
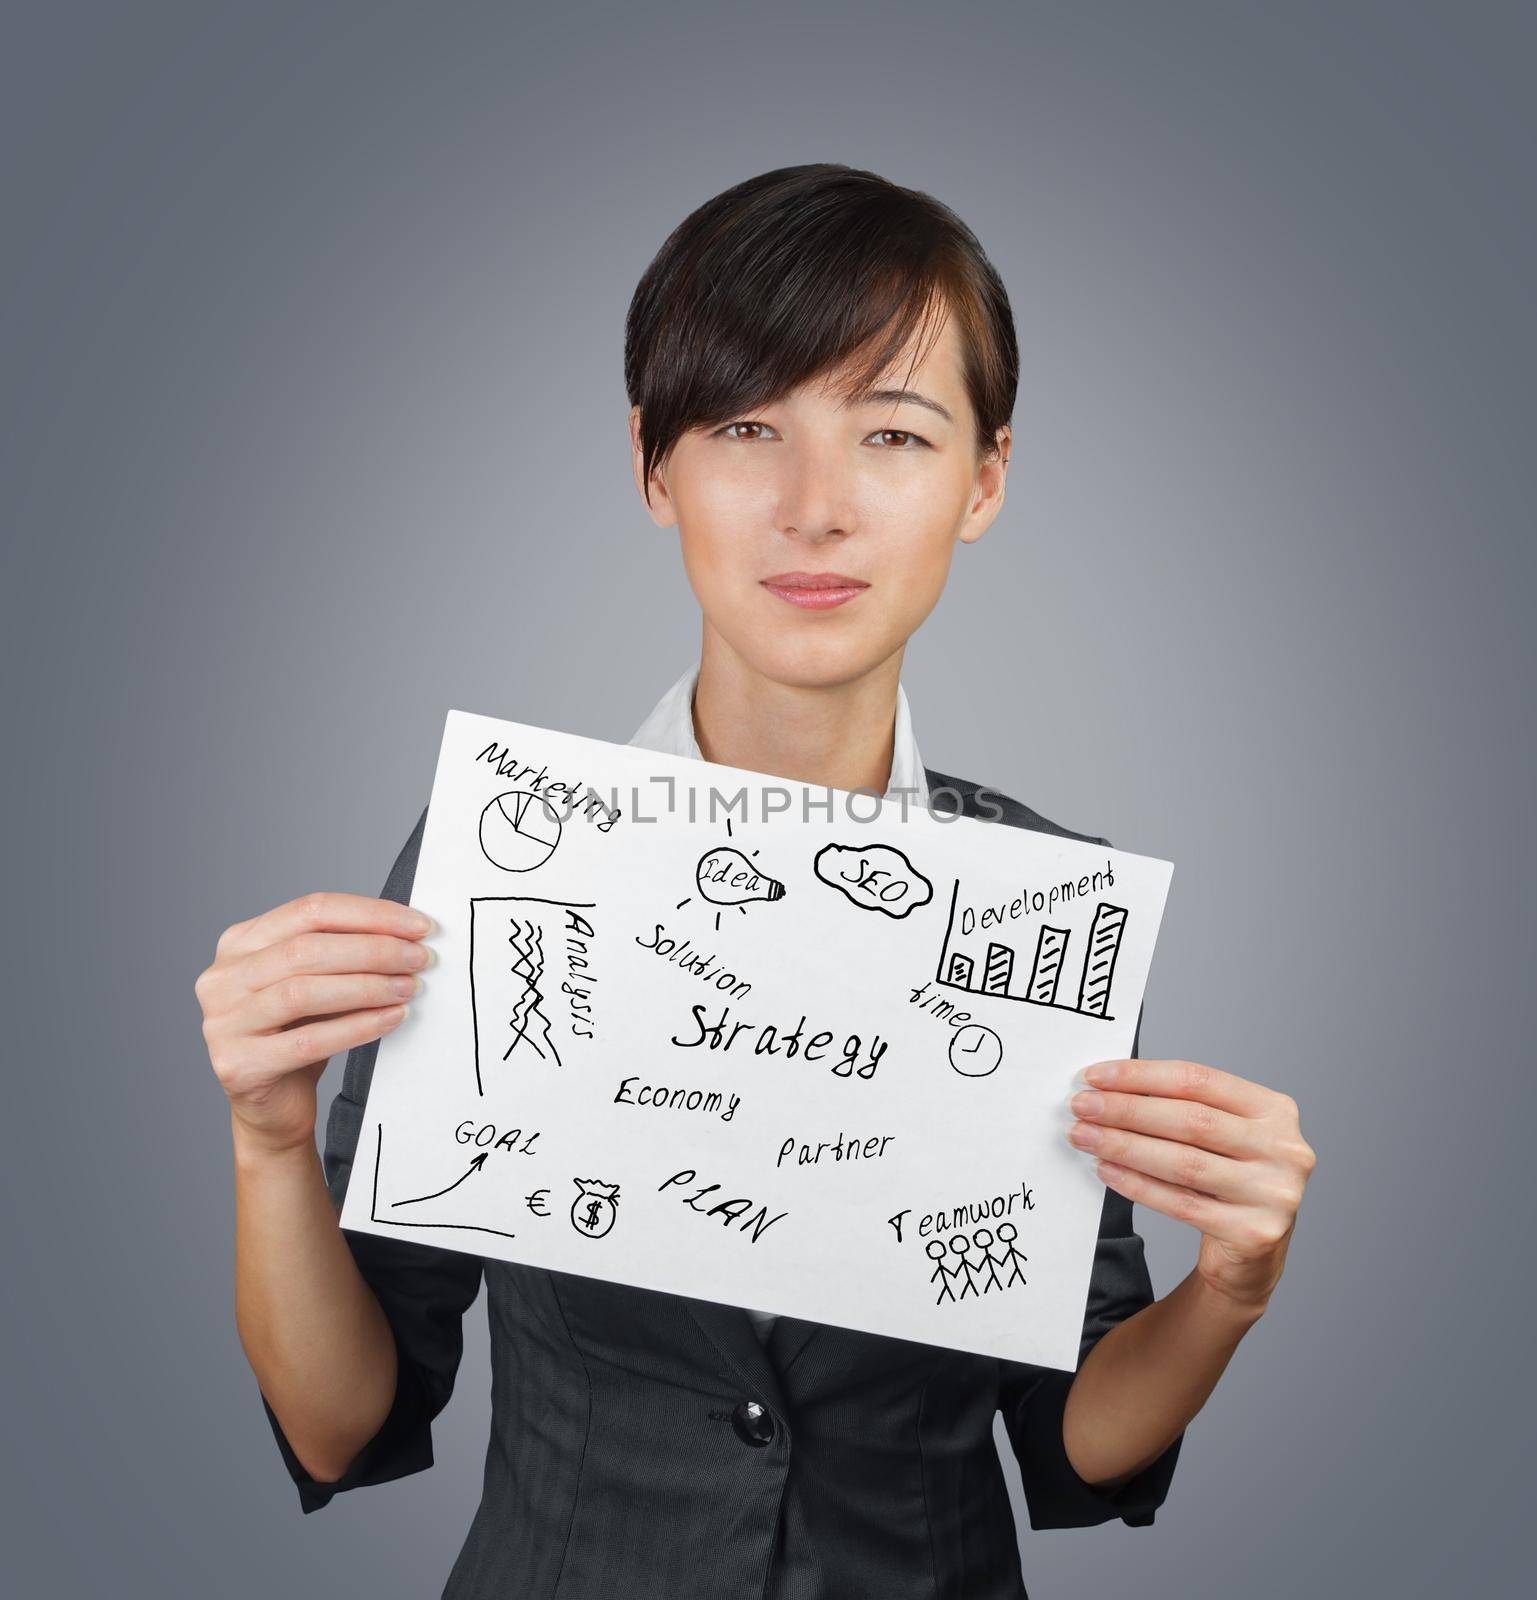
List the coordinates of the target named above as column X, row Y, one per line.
column 788, row 1337
column 730, row 1330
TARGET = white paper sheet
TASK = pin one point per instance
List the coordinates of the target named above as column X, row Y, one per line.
column 698, row 1030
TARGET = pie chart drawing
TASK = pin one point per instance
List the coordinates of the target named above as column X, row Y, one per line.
column 519, row 831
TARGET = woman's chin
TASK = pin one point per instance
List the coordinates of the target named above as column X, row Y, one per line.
column 801, row 663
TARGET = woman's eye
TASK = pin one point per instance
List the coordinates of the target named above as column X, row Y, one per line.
column 905, row 440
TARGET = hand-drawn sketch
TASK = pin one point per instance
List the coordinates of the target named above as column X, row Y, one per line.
column 876, row 877
column 595, row 1207
column 773, row 1096
column 971, row 1257
column 975, row 1051
column 995, row 971
column 508, row 985
column 411, row 1219
column 725, row 877
column 519, row 831
column 475, row 1167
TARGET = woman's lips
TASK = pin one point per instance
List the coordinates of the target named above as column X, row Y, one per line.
column 814, row 591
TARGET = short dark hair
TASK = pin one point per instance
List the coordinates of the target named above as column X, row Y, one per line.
column 786, row 276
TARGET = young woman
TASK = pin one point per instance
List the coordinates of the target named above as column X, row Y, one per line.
column 822, row 368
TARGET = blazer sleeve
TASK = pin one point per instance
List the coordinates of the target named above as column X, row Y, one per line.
column 424, row 1291
column 1034, row 1399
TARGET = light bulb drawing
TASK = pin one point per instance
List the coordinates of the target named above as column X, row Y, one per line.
column 725, row 877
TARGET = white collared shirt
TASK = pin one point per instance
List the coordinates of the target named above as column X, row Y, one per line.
column 670, row 730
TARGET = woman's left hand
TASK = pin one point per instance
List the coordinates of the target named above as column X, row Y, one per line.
column 1204, row 1147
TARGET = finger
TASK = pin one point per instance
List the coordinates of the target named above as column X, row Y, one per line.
column 1218, row 1218
column 268, row 1055
column 293, row 999
column 1183, row 1080
column 1187, row 1121
column 1175, row 1163
column 329, row 952
column 327, row 911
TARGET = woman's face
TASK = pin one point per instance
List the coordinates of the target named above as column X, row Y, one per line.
column 818, row 536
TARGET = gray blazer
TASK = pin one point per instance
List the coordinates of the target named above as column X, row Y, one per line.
column 647, row 1446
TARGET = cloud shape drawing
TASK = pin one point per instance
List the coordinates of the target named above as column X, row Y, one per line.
column 876, row 877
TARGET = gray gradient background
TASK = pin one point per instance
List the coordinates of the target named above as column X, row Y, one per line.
column 313, row 424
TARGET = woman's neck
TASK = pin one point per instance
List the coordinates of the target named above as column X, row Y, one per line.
column 839, row 737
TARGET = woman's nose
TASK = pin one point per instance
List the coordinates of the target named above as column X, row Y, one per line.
column 816, row 497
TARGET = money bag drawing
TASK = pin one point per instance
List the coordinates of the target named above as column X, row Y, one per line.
column 595, row 1207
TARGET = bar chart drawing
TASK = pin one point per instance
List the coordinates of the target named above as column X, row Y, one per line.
column 1044, row 985
column 998, row 969
column 1050, row 950
column 960, row 972
column 1099, row 963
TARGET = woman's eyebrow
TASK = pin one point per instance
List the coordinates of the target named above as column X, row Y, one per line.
column 897, row 396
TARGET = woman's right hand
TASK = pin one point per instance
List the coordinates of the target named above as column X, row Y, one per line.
column 291, row 987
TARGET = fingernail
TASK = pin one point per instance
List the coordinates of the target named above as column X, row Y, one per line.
column 405, row 985
column 1087, row 1104
column 417, row 921
column 1102, row 1072
column 1084, row 1134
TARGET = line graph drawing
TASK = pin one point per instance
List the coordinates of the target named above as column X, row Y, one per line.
column 437, row 1194
column 403, row 1222
column 528, row 1022
column 508, row 987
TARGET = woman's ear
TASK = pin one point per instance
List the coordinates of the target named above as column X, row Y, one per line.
column 987, row 501
column 659, row 504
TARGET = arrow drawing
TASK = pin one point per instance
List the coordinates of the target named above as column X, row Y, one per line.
column 475, row 1166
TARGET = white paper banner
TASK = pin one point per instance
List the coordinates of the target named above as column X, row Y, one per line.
column 698, row 1030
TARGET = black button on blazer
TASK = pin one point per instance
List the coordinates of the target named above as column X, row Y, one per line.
column 648, row 1446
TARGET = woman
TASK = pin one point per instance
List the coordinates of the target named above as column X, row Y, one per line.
column 821, row 368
